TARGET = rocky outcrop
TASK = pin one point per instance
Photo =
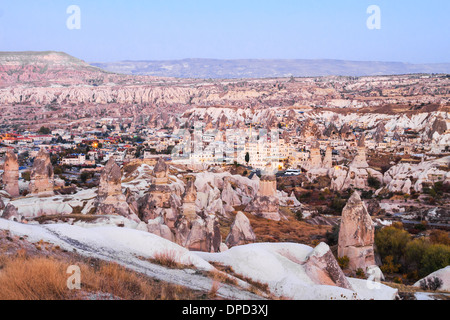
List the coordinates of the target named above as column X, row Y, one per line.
column 328, row 159
column 360, row 160
column 343, row 178
column 160, row 172
column 42, row 178
column 110, row 199
column 266, row 203
column 202, row 234
column 315, row 159
column 380, row 132
column 322, row 268
column 241, row 232
column 189, row 198
column 11, row 213
column 160, row 229
column 229, row 196
column 400, row 177
column 356, row 234
column 442, row 274
column 11, row 174
column 131, row 200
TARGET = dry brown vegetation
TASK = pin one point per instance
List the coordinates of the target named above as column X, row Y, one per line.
column 290, row 230
column 39, row 272
column 23, row 277
column 225, row 271
column 169, row 259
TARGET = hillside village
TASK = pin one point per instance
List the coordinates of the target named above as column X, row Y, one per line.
column 315, row 188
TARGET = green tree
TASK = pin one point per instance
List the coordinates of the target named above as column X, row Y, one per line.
column 414, row 253
column 436, row 257
column 391, row 241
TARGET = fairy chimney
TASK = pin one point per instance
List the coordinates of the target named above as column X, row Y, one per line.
column 11, row 174
column 42, row 174
column 356, row 235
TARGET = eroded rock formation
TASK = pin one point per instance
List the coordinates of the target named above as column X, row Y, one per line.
column 266, row 203
column 11, row 174
column 42, row 178
column 110, row 199
column 322, row 268
column 241, row 232
column 356, row 235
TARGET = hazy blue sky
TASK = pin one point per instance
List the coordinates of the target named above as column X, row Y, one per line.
column 112, row 30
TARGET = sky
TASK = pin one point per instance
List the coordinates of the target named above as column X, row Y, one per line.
column 115, row 30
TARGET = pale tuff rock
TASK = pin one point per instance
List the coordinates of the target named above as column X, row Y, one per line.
column 310, row 131
column 162, row 194
column 356, row 235
column 266, row 202
column 439, row 126
column 443, row 274
column 189, row 198
column 157, row 198
column 375, row 274
column 158, row 228
column 288, row 200
column 110, row 180
column 11, row 174
column 322, row 268
column 110, row 199
column 315, row 159
column 131, row 200
column 202, row 234
column 161, row 172
column 42, row 174
column 11, row 213
column 380, row 133
column 360, row 160
column 343, row 178
column 328, row 160
column 229, row 196
column 400, row 177
column 241, row 232
column 267, row 186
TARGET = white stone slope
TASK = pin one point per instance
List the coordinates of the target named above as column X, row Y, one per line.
column 130, row 248
column 34, row 206
column 443, row 274
column 279, row 264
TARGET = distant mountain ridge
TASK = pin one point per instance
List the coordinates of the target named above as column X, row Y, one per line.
column 254, row 68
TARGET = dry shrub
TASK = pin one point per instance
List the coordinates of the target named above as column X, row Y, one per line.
column 169, row 259
column 216, row 285
column 440, row 237
column 222, row 277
